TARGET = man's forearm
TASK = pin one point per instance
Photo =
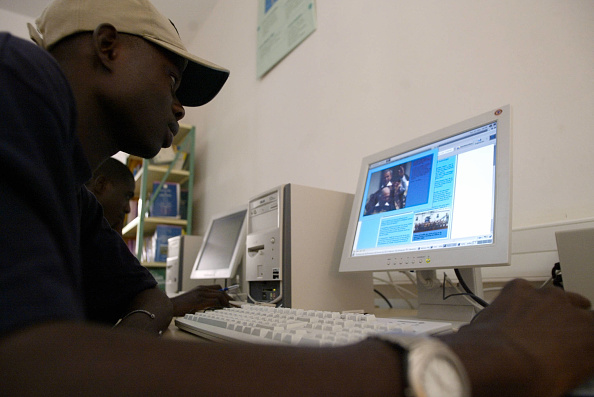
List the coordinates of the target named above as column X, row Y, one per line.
column 78, row 359
column 151, row 311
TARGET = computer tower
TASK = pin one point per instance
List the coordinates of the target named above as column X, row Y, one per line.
column 181, row 254
column 294, row 243
column 575, row 249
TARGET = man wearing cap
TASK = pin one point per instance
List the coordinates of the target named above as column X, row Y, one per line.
column 123, row 61
column 120, row 82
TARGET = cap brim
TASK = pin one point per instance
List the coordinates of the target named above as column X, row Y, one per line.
column 201, row 81
column 200, row 84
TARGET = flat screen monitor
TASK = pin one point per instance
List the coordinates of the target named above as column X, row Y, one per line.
column 223, row 246
column 439, row 201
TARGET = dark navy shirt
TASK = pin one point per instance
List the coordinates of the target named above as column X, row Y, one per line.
column 59, row 259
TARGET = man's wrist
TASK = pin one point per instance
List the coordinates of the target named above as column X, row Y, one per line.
column 151, row 315
column 428, row 366
column 493, row 365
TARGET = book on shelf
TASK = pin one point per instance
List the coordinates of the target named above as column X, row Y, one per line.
column 148, row 249
column 183, row 204
column 134, row 164
column 166, row 203
column 155, row 247
column 131, row 243
column 160, row 241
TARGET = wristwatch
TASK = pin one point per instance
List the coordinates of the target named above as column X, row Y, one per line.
column 430, row 367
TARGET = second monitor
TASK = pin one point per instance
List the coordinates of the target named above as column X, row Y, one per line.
column 223, row 246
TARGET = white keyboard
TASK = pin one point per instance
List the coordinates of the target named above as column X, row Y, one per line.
column 271, row 325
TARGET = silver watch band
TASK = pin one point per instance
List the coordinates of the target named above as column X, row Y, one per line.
column 416, row 352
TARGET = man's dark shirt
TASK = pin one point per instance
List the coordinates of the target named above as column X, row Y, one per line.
column 59, row 258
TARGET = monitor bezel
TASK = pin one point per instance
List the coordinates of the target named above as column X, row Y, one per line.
column 496, row 254
column 238, row 249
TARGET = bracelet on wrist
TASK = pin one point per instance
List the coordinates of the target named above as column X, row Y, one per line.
column 151, row 315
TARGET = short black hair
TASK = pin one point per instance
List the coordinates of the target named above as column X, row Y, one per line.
column 114, row 170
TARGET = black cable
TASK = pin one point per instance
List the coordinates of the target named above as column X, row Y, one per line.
column 382, row 295
column 471, row 294
column 557, row 275
column 443, row 291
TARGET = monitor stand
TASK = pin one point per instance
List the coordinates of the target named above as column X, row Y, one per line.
column 432, row 306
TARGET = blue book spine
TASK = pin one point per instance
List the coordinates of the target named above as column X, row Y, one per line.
column 166, row 204
column 162, row 234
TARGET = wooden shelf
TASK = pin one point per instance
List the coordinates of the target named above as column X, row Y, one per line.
column 155, row 173
column 154, row 264
column 184, row 129
column 146, row 174
column 150, row 224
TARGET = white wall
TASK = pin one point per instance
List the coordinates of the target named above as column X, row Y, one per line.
column 15, row 23
column 376, row 73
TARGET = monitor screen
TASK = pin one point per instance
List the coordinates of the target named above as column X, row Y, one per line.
column 440, row 201
column 223, row 246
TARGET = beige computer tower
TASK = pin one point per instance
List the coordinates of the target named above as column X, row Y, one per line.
column 181, row 254
column 576, row 248
column 294, row 243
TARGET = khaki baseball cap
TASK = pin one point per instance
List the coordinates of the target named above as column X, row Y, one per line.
column 201, row 81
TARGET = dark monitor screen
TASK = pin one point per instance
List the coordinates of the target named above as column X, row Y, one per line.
column 223, row 246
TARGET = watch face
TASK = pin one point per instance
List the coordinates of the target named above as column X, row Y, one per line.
column 433, row 369
column 440, row 378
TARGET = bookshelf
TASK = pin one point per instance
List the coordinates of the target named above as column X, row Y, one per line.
column 143, row 225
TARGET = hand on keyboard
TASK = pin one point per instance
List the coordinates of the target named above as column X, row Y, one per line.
column 200, row 298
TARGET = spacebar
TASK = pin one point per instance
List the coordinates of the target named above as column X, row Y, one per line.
column 212, row 321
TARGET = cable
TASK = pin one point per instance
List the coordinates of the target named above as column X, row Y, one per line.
column 557, row 275
column 464, row 295
column 409, row 275
column 546, row 283
column 399, row 289
column 477, row 299
column 272, row 302
column 412, row 279
column 383, row 296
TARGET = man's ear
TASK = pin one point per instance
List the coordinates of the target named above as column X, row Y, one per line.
column 100, row 184
column 106, row 42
